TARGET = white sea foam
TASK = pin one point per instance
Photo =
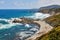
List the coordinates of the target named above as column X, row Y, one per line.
column 39, row 16
column 27, row 25
column 24, row 34
column 34, row 29
column 6, row 26
column 1, row 19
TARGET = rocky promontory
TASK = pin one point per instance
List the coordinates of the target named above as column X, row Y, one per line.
column 52, row 9
column 53, row 20
column 25, row 21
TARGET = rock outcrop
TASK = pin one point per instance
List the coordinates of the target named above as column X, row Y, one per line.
column 23, row 20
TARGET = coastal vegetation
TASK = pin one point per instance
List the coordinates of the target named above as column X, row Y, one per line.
column 55, row 10
column 54, row 34
column 53, row 20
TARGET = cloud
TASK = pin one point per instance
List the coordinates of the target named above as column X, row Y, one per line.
column 18, row 4
column 2, row 2
column 23, row 4
column 36, row 4
column 41, row 3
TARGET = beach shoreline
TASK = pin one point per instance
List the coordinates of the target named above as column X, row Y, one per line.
column 43, row 27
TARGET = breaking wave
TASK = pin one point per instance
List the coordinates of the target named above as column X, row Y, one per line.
column 8, row 25
column 39, row 16
column 24, row 32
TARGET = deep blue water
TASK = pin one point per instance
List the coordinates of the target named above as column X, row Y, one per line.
column 12, row 31
column 6, row 13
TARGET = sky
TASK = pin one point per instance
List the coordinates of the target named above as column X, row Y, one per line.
column 26, row 4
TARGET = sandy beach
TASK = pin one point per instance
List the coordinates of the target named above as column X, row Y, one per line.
column 45, row 28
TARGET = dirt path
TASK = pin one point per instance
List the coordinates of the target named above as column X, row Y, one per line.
column 43, row 30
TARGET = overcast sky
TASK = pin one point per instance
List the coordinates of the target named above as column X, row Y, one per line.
column 26, row 4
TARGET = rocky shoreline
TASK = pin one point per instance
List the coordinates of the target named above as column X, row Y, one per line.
column 43, row 26
column 25, row 21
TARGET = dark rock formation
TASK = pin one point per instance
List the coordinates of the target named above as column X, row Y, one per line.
column 23, row 20
column 16, row 21
column 26, row 20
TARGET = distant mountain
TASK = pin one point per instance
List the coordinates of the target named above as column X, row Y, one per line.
column 51, row 6
column 52, row 9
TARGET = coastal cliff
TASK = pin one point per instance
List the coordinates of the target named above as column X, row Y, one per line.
column 54, row 34
column 52, row 9
column 54, row 21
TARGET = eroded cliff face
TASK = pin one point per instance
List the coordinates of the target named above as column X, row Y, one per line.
column 53, row 9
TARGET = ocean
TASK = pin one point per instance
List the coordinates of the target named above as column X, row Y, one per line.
column 9, row 31
column 18, row 31
column 6, row 13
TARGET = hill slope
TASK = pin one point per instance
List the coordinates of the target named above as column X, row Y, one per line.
column 52, row 9
column 55, row 33
column 53, row 20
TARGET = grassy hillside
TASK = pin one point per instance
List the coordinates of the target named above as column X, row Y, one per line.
column 45, row 10
column 53, row 20
column 52, row 9
column 55, row 33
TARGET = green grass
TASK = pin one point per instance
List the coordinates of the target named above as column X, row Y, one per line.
column 55, row 33
column 53, row 20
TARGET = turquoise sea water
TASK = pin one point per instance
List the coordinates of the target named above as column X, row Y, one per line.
column 9, row 31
